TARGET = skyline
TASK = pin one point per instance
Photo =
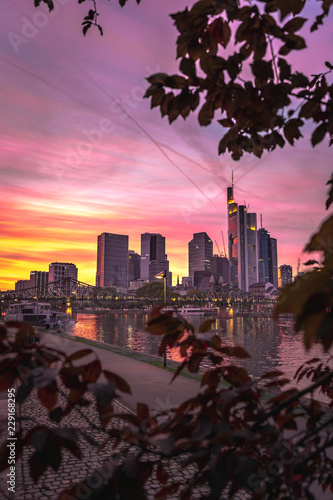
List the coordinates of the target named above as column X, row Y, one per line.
column 73, row 166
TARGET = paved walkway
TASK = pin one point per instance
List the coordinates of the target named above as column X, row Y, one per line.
column 149, row 384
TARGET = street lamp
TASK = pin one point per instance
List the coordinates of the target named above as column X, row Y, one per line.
column 160, row 276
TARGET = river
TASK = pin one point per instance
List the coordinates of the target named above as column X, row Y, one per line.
column 271, row 345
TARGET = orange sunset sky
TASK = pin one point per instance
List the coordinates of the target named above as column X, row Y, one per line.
column 74, row 165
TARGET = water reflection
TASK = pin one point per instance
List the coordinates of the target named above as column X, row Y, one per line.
column 272, row 345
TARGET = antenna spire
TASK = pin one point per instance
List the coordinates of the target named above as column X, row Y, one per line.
column 232, row 178
column 260, row 221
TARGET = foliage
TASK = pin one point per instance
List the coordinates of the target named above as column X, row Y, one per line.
column 239, row 437
column 310, row 297
column 236, row 438
column 234, row 69
column 91, row 19
column 233, row 63
column 255, row 438
column 153, row 290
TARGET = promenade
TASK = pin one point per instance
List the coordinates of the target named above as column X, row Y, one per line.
column 149, row 384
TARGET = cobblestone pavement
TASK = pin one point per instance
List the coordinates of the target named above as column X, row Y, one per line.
column 72, row 469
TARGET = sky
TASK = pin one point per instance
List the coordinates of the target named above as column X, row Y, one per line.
column 74, row 164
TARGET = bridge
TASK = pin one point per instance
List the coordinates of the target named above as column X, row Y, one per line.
column 66, row 287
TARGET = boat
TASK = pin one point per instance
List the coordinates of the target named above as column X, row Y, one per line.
column 38, row 314
column 191, row 311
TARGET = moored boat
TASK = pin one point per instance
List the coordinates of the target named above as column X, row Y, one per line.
column 38, row 314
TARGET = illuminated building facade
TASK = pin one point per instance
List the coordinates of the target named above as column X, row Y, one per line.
column 134, row 266
column 285, row 275
column 268, row 263
column 200, row 253
column 220, row 268
column 242, row 244
column 153, row 257
column 112, row 261
column 39, row 280
column 60, row 270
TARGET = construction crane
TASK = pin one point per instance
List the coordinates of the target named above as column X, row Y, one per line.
column 218, row 249
column 225, row 253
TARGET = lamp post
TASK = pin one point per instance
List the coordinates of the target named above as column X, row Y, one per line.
column 160, row 276
column 37, row 308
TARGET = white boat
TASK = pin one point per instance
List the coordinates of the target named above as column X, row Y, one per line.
column 38, row 314
column 191, row 311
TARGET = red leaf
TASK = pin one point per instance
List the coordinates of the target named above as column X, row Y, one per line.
column 237, row 351
column 48, row 395
column 92, row 371
column 167, row 490
column 119, row 382
column 79, row 354
column 272, row 374
column 162, row 474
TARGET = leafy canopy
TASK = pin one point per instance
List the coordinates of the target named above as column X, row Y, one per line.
column 234, row 69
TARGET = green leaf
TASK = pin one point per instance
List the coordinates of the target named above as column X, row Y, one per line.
column 319, row 134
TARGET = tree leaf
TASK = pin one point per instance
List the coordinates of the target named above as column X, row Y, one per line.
column 79, row 354
column 237, row 352
column 294, row 24
column 48, row 395
column 329, row 200
column 272, row 374
column 206, row 325
column 187, row 67
column 319, row 134
column 119, row 382
column 322, row 240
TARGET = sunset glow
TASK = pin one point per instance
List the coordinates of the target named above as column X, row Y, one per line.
column 74, row 165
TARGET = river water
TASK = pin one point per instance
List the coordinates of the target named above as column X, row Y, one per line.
column 271, row 345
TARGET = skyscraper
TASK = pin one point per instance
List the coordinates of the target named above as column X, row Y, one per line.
column 285, row 275
column 39, row 280
column 242, row 244
column 134, row 265
column 273, row 263
column 112, row 261
column 200, row 253
column 268, row 268
column 220, row 268
column 153, row 257
column 60, row 270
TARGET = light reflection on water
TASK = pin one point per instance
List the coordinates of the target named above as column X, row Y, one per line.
column 272, row 345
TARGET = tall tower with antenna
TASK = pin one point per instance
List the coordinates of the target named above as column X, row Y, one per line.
column 242, row 243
